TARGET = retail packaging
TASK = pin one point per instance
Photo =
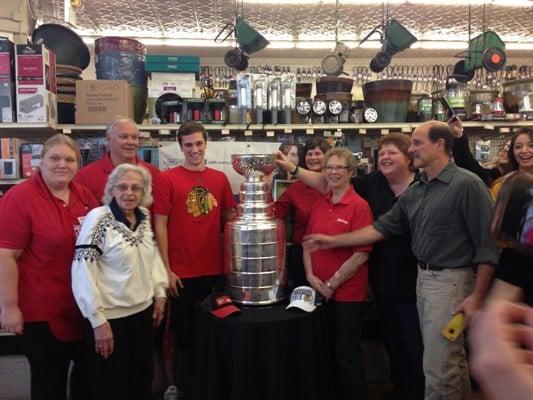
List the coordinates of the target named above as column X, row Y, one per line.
column 8, row 111
column 9, row 169
column 164, row 63
column 162, row 58
column 97, row 102
column 30, row 156
column 36, row 84
column 179, row 83
column 164, row 67
column 9, row 148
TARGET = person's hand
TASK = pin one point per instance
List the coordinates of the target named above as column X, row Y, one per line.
column 174, row 282
column 456, row 126
column 159, row 310
column 11, row 320
column 468, row 306
column 318, row 241
column 283, row 162
column 501, row 343
column 103, row 340
column 314, row 282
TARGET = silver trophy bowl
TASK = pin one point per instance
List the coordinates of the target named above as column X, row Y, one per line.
column 254, row 248
column 248, row 165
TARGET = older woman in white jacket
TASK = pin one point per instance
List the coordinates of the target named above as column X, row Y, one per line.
column 119, row 282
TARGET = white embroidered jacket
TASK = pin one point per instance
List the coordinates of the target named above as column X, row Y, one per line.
column 116, row 272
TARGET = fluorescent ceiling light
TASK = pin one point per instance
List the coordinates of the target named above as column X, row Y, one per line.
column 503, row 3
column 315, row 44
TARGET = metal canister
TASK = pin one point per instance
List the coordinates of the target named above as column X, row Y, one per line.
column 255, row 240
column 438, row 110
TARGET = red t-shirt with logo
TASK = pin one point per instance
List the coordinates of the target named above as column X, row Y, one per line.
column 349, row 214
column 46, row 229
column 194, row 202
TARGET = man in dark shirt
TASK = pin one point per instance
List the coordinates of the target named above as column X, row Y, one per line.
column 447, row 212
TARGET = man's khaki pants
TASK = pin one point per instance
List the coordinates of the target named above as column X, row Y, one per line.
column 445, row 364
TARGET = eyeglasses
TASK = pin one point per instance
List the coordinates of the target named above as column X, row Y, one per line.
column 336, row 168
column 122, row 188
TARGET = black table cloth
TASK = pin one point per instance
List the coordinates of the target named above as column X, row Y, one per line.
column 262, row 353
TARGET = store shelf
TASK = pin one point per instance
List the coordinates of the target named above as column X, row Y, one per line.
column 27, row 129
column 6, row 182
column 20, row 130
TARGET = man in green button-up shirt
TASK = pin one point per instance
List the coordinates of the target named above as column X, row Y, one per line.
column 448, row 214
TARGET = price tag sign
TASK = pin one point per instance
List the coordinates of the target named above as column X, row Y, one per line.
column 164, row 131
column 362, row 131
column 338, row 133
column 384, row 131
column 248, row 133
column 270, row 133
column 224, row 131
column 309, row 131
column 287, row 130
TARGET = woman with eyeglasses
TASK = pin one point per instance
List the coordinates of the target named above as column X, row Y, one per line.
column 340, row 275
column 392, row 265
column 40, row 221
column 119, row 282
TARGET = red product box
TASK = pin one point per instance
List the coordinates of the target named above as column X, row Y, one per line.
column 30, row 155
column 7, row 81
column 35, row 84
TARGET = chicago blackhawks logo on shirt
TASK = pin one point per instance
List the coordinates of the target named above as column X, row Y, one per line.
column 200, row 201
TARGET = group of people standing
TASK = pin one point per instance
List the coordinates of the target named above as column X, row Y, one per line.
column 83, row 278
column 88, row 263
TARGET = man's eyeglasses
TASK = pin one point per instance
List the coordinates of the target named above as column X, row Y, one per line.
column 124, row 188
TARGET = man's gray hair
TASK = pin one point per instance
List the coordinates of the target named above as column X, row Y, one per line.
column 118, row 172
column 118, row 120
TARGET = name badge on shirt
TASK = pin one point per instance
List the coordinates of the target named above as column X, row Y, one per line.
column 342, row 221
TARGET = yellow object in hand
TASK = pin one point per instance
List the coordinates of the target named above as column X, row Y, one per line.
column 455, row 327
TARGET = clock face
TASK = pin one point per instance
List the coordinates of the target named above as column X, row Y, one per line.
column 371, row 114
column 303, row 107
column 319, row 107
column 335, row 107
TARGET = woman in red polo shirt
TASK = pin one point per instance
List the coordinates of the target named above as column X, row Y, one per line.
column 341, row 274
column 300, row 199
column 40, row 220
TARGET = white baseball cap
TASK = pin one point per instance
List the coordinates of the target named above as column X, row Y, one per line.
column 303, row 297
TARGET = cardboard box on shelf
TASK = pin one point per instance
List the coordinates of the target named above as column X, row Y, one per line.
column 97, row 102
column 30, row 156
column 8, row 111
column 181, row 84
column 9, row 148
column 36, row 84
column 9, row 169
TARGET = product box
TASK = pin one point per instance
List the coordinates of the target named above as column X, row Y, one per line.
column 97, row 102
column 149, row 154
column 35, row 67
column 162, row 58
column 9, row 148
column 169, row 67
column 9, row 169
column 30, row 157
column 8, row 111
column 180, row 84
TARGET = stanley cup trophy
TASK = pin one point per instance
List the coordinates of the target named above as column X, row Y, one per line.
column 254, row 248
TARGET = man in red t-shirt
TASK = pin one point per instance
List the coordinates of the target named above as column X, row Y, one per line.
column 122, row 136
column 191, row 207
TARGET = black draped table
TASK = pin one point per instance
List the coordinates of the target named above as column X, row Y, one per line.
column 265, row 353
